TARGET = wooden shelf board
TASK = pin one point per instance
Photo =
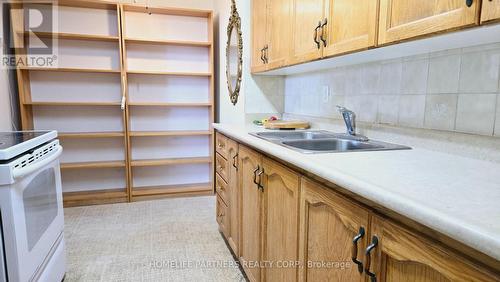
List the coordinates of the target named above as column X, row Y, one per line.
column 94, row 4
column 204, row 74
column 167, row 42
column 170, row 133
column 70, row 70
column 72, row 103
column 167, row 10
column 101, row 164
column 172, row 189
column 64, row 135
column 170, row 104
column 170, row 161
column 83, row 198
column 75, row 36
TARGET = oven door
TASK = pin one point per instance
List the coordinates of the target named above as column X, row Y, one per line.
column 38, row 218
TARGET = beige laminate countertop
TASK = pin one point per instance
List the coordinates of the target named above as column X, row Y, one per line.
column 454, row 195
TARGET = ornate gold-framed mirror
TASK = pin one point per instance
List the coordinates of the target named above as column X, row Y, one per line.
column 234, row 54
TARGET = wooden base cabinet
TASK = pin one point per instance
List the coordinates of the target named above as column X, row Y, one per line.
column 284, row 226
column 250, row 165
column 281, row 188
column 400, row 255
column 333, row 231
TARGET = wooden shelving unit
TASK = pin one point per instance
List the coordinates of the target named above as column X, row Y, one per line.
column 135, row 121
column 175, row 99
column 166, row 32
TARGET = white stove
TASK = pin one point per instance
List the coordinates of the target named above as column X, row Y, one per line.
column 31, row 211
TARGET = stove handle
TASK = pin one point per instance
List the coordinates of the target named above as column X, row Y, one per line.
column 21, row 172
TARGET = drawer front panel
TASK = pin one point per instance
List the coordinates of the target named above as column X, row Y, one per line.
column 221, row 166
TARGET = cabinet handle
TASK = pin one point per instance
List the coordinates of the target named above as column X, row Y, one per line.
column 259, row 185
column 373, row 277
column 325, row 22
column 469, row 3
column 262, row 55
column 355, row 240
column 255, row 176
column 315, row 37
column 234, row 161
column 266, row 54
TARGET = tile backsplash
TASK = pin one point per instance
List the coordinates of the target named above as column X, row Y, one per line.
column 453, row 90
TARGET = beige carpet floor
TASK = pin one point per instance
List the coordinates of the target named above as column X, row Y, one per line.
column 163, row 240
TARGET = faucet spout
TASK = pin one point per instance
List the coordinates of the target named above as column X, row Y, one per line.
column 349, row 119
column 350, row 122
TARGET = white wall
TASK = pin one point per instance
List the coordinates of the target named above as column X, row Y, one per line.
column 260, row 96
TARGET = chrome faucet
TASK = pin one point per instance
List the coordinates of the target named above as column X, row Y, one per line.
column 350, row 123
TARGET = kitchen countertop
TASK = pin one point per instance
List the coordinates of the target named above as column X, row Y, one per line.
column 454, row 195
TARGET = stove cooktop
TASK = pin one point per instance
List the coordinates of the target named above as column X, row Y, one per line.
column 15, row 143
column 10, row 139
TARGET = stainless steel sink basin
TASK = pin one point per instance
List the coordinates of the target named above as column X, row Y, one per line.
column 316, row 141
column 295, row 135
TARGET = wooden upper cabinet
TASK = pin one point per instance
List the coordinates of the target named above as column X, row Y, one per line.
column 329, row 225
column 490, row 10
column 349, row 26
column 233, row 197
column 250, row 163
column 278, row 33
column 401, row 255
column 281, row 220
column 259, row 34
column 306, row 18
column 403, row 19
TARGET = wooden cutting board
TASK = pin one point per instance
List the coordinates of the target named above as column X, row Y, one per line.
column 286, row 124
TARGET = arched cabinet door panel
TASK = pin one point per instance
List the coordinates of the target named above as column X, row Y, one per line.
column 281, row 220
column 250, row 163
column 403, row 19
column 401, row 255
column 329, row 225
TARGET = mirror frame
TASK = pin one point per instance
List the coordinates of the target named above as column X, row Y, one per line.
column 234, row 23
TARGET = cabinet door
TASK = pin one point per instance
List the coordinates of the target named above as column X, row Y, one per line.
column 278, row 32
column 281, row 220
column 350, row 26
column 403, row 19
column 490, row 10
column 233, row 198
column 306, row 16
column 401, row 255
column 250, row 213
column 328, row 225
column 259, row 27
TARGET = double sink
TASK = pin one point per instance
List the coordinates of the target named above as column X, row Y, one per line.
column 320, row 141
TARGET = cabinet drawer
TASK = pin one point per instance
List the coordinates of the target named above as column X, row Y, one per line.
column 222, row 216
column 221, row 145
column 221, row 188
column 221, row 166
